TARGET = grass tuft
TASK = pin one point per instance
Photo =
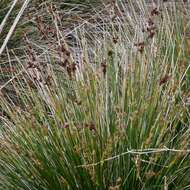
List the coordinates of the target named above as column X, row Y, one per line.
column 107, row 108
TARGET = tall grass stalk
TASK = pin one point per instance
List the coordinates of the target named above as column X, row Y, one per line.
column 109, row 112
column 25, row 4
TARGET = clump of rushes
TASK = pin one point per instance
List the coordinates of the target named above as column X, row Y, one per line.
column 113, row 121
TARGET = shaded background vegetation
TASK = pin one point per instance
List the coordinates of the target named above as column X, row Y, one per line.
column 109, row 111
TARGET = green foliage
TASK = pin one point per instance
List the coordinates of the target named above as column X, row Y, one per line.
column 116, row 117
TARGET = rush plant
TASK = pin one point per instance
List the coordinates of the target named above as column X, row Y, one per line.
column 109, row 112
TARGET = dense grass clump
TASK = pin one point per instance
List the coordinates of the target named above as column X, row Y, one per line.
column 106, row 109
